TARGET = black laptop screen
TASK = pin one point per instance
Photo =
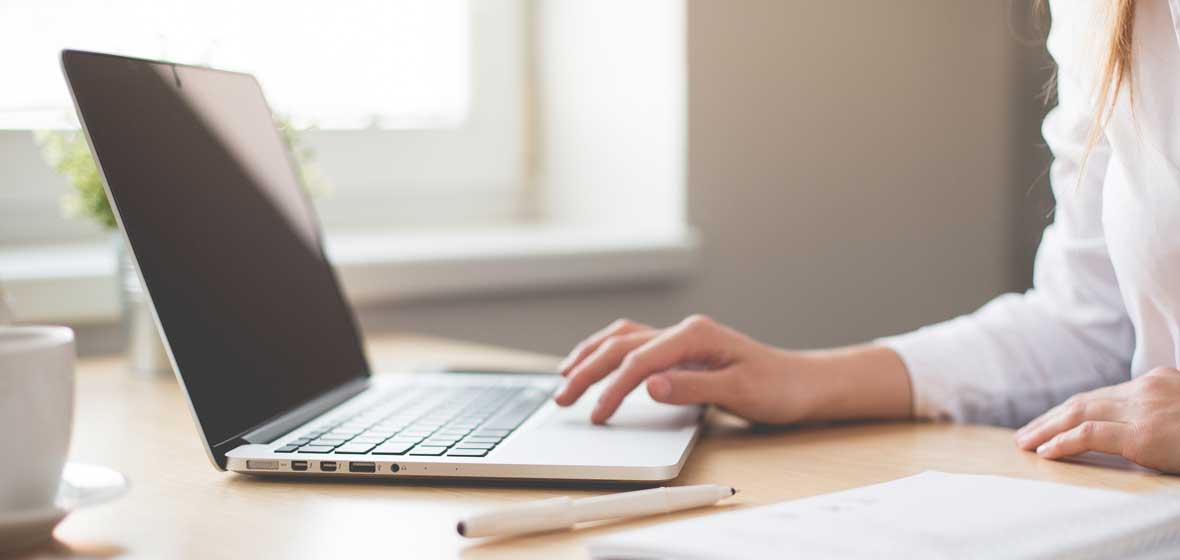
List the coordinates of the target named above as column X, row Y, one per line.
column 226, row 240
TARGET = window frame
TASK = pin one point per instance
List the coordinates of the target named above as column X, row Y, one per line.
column 381, row 178
column 601, row 203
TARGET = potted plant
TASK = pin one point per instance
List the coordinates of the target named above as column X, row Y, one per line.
column 69, row 154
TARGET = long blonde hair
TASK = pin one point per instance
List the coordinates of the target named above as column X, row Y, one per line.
column 1116, row 70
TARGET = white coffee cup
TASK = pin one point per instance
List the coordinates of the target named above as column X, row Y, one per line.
column 36, row 413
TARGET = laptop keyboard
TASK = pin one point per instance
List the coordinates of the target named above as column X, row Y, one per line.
column 452, row 420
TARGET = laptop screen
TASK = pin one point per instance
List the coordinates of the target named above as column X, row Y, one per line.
column 226, row 240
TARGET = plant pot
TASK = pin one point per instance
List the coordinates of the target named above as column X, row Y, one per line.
column 146, row 355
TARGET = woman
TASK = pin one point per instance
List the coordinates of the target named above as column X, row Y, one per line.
column 1098, row 336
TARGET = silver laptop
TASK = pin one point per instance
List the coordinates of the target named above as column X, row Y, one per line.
column 261, row 338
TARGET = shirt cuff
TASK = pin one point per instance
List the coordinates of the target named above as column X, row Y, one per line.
column 929, row 369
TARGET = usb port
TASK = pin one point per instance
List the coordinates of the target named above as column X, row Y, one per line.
column 328, row 466
column 298, row 465
column 362, row 467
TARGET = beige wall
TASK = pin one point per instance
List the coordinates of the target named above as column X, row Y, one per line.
column 850, row 168
column 854, row 169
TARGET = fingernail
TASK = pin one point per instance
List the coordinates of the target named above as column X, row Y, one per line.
column 598, row 411
column 1042, row 448
column 659, row 388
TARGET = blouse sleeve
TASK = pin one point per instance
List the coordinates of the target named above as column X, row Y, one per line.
column 1023, row 353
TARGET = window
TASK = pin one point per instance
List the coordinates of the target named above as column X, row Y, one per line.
column 474, row 146
column 378, row 63
column 397, row 91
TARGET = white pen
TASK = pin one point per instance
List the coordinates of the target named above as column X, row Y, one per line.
column 564, row 512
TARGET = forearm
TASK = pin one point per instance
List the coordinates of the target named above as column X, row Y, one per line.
column 855, row 382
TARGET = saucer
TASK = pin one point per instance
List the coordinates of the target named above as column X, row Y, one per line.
column 81, row 486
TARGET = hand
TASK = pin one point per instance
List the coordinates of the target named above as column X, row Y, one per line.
column 1139, row 419
column 696, row 361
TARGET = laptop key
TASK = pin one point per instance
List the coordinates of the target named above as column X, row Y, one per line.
column 428, row 450
column 331, row 442
column 392, row 448
column 505, row 421
column 367, row 439
column 441, row 442
column 483, row 439
column 475, row 445
column 316, row 449
column 512, row 417
column 490, row 432
column 287, row 449
column 468, row 452
column 355, row 448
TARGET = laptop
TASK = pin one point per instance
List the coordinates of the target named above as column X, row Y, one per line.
column 264, row 344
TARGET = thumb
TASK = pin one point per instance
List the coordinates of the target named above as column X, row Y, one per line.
column 683, row 386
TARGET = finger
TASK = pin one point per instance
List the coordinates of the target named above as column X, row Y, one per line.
column 1111, row 392
column 600, row 363
column 689, row 387
column 1040, row 420
column 1070, row 416
column 685, row 343
column 588, row 346
column 1105, row 437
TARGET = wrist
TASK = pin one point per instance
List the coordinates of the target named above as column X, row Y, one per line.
column 856, row 382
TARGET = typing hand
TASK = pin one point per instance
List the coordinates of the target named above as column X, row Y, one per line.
column 1139, row 419
column 695, row 361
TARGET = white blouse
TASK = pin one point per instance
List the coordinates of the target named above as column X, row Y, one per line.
column 1105, row 305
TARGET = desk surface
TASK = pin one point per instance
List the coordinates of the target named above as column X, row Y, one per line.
column 180, row 507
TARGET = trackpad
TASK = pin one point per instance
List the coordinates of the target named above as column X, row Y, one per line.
column 638, row 412
column 643, row 433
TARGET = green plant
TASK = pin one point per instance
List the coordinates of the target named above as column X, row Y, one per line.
column 311, row 176
column 68, row 153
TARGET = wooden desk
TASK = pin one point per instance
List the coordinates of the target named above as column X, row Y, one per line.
column 180, row 507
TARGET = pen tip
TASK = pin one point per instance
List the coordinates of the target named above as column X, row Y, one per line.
column 732, row 491
column 462, row 529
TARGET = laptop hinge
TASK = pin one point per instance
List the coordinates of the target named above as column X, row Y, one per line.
column 284, row 423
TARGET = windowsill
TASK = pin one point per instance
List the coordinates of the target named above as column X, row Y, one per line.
column 76, row 283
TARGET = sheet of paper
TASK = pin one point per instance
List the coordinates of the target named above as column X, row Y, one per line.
column 930, row 515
